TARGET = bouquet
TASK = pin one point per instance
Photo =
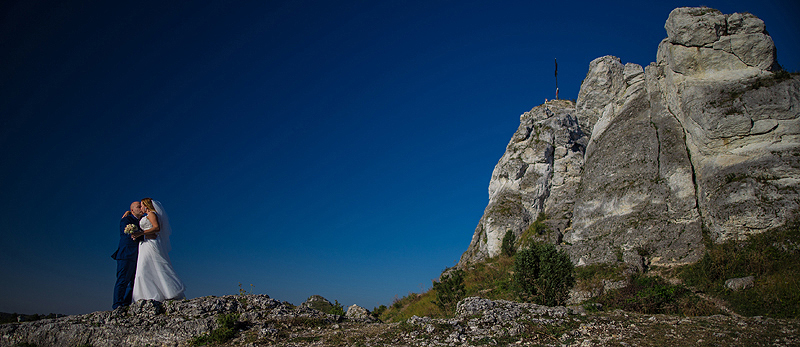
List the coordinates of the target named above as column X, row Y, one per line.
column 131, row 228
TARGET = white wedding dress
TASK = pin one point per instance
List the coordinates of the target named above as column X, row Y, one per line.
column 155, row 278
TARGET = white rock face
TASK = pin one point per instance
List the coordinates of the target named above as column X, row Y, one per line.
column 541, row 168
column 703, row 42
column 598, row 90
column 636, row 195
column 742, row 125
column 695, row 27
column 706, row 137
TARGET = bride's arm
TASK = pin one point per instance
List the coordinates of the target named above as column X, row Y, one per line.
column 153, row 218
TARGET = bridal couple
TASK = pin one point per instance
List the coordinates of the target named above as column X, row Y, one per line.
column 144, row 270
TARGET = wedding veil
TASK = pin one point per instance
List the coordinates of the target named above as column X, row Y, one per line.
column 163, row 223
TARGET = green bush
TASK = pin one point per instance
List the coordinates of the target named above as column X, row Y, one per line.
column 378, row 311
column 323, row 305
column 337, row 308
column 543, row 275
column 646, row 294
column 226, row 330
column 508, row 244
column 449, row 290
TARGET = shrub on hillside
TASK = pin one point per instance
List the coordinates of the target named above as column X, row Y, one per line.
column 227, row 325
column 337, row 309
column 449, row 290
column 543, row 275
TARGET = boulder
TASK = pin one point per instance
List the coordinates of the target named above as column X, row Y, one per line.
column 356, row 312
column 695, row 26
column 703, row 42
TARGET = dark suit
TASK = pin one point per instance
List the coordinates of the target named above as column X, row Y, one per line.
column 126, row 255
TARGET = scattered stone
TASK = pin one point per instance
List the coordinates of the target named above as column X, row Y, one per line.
column 263, row 321
column 737, row 284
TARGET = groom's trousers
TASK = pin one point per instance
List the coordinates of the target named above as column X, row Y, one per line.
column 123, row 289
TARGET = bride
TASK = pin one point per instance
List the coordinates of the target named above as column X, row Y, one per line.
column 155, row 278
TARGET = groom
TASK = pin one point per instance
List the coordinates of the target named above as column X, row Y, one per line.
column 126, row 255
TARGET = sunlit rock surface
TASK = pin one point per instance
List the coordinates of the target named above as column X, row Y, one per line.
column 647, row 158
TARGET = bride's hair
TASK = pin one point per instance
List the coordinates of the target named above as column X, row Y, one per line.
column 149, row 203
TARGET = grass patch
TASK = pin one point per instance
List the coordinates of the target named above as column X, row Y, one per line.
column 654, row 295
column 490, row 279
column 536, row 229
column 644, row 294
column 771, row 257
column 307, row 322
column 413, row 305
column 591, row 278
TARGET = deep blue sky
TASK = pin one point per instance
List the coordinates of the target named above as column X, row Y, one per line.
column 305, row 147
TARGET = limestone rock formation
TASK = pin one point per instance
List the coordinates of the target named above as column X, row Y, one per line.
column 741, row 122
column 705, row 138
column 541, row 167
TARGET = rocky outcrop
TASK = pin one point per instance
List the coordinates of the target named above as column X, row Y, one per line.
column 705, row 138
column 741, row 120
column 153, row 323
column 539, row 172
column 504, row 323
column 636, row 196
column 704, row 42
column 359, row 313
column 261, row 321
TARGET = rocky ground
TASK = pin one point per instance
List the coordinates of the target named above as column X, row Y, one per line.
column 257, row 320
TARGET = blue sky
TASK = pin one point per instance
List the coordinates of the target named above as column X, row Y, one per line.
column 338, row 148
